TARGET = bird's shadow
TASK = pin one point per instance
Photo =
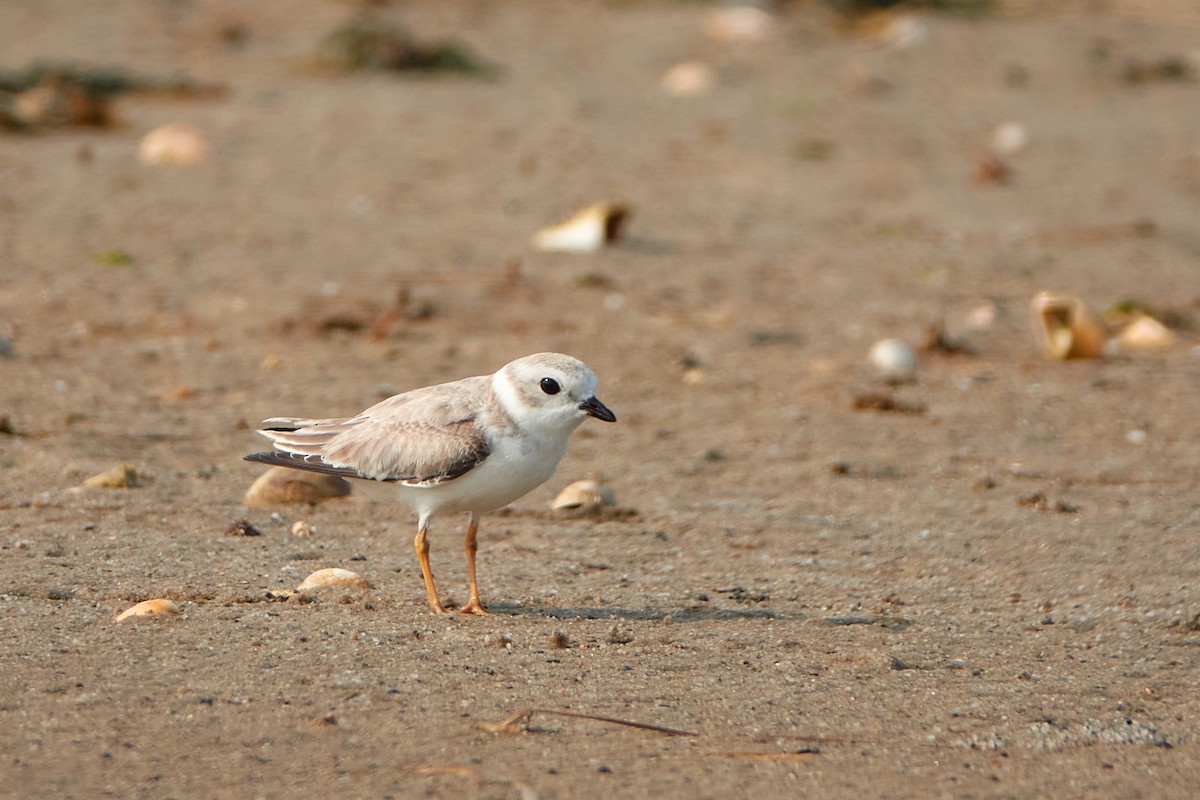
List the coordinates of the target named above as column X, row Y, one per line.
column 689, row 614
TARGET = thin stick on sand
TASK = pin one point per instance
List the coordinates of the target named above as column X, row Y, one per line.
column 521, row 719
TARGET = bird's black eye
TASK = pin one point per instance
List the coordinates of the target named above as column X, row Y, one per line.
column 550, row 386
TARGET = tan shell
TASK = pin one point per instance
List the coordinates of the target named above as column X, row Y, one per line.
column 282, row 485
column 1068, row 327
column 150, row 608
column 122, row 477
column 174, row 143
column 586, row 231
column 1145, row 333
column 587, row 494
column 333, row 576
column 688, row 79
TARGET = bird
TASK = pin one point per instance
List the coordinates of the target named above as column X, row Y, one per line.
column 472, row 445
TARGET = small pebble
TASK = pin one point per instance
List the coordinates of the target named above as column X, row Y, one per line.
column 893, row 360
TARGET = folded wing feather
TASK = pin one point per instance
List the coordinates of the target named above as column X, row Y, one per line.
column 420, row 438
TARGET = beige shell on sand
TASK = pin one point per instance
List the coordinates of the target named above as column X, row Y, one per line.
column 174, row 143
column 150, row 608
column 282, row 485
column 586, row 231
column 333, row 576
column 1145, row 333
column 1068, row 327
column 121, row 477
column 586, row 494
column 688, row 79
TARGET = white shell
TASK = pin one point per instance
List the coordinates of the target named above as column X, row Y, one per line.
column 333, row 576
column 174, row 143
column 586, row 494
column 893, row 359
column 150, row 608
column 586, row 231
column 1068, row 327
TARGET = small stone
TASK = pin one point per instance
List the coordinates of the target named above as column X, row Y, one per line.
column 893, row 360
column 240, row 527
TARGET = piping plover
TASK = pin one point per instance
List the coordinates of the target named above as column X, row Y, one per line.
column 472, row 445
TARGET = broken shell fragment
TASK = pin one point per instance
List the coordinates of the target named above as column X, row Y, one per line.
column 586, row 231
column 150, row 608
column 585, row 495
column 331, row 577
column 174, row 143
column 1145, row 333
column 122, row 477
column 893, row 360
column 282, row 485
column 1069, row 328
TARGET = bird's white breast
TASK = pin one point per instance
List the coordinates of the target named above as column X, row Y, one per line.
column 517, row 465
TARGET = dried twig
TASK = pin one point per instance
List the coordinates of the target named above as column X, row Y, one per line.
column 521, row 719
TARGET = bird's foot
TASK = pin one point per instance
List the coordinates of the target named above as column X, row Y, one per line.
column 474, row 607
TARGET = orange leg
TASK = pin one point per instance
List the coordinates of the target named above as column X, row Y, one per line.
column 473, row 605
column 421, row 545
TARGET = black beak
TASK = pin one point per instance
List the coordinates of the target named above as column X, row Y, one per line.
column 594, row 408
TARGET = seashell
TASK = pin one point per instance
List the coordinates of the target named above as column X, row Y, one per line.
column 738, row 24
column 331, row 577
column 588, row 494
column 893, row 359
column 150, row 608
column 301, row 528
column 1009, row 139
column 1068, row 327
column 122, row 477
column 586, row 231
column 1145, row 333
column 282, row 485
column 688, row 79
column 174, row 143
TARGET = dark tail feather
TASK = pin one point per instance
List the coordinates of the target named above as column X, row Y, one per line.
column 293, row 461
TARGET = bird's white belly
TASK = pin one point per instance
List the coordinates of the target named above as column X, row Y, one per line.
column 514, row 468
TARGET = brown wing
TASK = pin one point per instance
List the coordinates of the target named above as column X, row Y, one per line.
column 419, row 438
